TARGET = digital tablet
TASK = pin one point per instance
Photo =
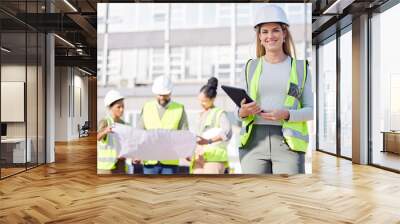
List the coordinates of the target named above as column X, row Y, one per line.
column 237, row 94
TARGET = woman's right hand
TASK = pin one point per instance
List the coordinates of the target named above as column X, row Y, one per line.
column 107, row 130
column 247, row 109
column 201, row 141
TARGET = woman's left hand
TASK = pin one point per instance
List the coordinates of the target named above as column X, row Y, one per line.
column 275, row 115
column 199, row 151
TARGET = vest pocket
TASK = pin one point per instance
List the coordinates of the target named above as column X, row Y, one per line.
column 294, row 90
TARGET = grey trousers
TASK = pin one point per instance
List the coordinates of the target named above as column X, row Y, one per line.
column 268, row 153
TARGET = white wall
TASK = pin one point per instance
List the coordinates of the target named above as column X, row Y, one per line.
column 69, row 85
column 80, row 100
column 61, row 103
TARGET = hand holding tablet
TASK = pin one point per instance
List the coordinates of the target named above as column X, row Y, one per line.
column 246, row 104
column 237, row 95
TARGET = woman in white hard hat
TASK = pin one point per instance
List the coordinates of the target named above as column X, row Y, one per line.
column 107, row 158
column 211, row 156
column 274, row 135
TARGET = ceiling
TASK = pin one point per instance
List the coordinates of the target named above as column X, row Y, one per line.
column 331, row 15
column 75, row 23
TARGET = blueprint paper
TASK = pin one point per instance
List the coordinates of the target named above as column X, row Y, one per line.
column 153, row 144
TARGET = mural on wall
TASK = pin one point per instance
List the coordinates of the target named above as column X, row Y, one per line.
column 160, row 106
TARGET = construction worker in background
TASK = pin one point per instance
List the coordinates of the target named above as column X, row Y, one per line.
column 107, row 155
column 162, row 113
column 214, row 132
column 275, row 135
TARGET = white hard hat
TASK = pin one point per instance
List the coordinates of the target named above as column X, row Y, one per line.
column 162, row 85
column 111, row 97
column 270, row 14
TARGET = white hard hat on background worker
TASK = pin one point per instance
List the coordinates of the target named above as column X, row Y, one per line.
column 162, row 85
column 111, row 97
column 270, row 14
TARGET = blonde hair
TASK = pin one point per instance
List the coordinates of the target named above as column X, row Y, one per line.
column 288, row 44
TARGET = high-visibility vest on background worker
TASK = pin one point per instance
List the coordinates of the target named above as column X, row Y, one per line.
column 106, row 152
column 170, row 120
column 216, row 152
column 294, row 133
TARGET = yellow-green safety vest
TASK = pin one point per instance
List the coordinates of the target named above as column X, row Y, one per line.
column 294, row 133
column 216, row 152
column 106, row 152
column 170, row 120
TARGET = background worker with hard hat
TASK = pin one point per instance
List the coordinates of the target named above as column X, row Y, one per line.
column 162, row 113
column 212, row 156
column 274, row 135
column 107, row 155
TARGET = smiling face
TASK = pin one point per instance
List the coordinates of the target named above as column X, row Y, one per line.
column 272, row 36
column 117, row 109
column 205, row 102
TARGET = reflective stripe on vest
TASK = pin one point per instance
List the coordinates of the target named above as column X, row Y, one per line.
column 106, row 153
column 216, row 152
column 170, row 120
column 295, row 133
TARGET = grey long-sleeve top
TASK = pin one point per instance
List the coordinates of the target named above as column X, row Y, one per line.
column 183, row 123
column 273, row 90
column 224, row 124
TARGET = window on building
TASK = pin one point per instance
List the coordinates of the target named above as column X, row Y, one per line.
column 243, row 14
column 208, row 14
column 177, row 15
column 224, row 14
column 193, row 63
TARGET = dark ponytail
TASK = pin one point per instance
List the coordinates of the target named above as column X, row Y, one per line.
column 210, row 89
